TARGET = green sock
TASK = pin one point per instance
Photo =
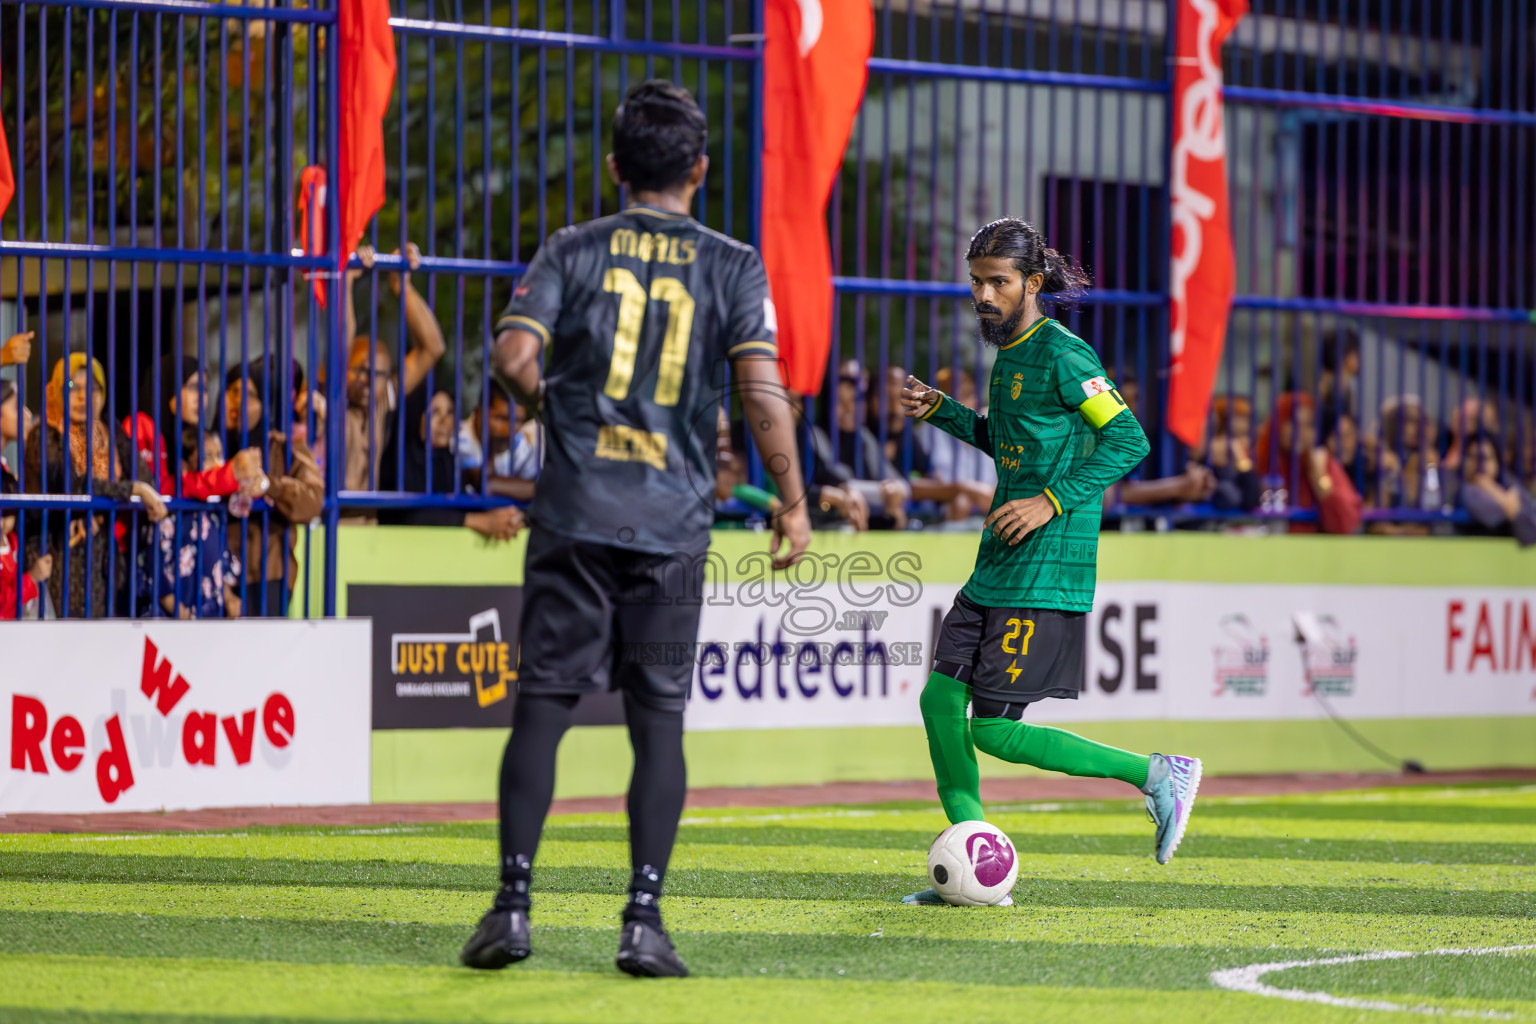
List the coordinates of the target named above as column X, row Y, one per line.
column 1055, row 750
column 943, row 702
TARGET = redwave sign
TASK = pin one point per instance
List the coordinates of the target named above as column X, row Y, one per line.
column 133, row 716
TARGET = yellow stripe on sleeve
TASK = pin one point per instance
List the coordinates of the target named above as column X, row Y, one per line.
column 1102, row 408
column 932, row 408
column 766, row 348
column 523, row 323
column 1048, row 494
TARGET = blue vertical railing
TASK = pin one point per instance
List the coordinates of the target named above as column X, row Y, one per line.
column 1329, row 113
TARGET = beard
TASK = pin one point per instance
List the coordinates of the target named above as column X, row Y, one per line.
column 998, row 333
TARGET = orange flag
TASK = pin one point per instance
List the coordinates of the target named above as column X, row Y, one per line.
column 367, row 59
column 814, row 58
column 1204, row 271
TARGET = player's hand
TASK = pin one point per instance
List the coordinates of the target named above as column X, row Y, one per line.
column 17, row 349
column 791, row 536
column 1013, row 521
column 917, row 397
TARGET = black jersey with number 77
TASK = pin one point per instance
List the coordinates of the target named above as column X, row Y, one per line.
column 641, row 313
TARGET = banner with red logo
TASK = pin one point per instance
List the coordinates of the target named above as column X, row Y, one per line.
column 814, row 60
column 144, row 716
column 1203, row 269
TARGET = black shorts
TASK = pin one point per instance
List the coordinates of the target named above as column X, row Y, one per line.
column 1014, row 655
column 597, row 618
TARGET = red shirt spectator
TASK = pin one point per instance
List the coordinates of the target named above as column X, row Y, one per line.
column 1288, row 446
column 178, row 414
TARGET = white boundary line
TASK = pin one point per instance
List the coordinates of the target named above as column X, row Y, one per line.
column 1247, row 979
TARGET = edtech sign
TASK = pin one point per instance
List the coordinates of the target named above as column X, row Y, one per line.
column 136, row 716
column 1177, row 651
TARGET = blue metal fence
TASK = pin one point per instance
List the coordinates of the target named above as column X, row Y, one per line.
column 1379, row 155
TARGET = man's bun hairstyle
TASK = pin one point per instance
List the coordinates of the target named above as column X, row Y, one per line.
column 658, row 135
column 1012, row 239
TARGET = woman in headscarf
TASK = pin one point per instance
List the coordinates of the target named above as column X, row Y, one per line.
column 1288, row 446
column 73, row 452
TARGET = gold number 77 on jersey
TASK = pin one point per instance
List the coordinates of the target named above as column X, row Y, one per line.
column 626, row 335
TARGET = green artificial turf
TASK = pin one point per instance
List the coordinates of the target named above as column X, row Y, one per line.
column 792, row 915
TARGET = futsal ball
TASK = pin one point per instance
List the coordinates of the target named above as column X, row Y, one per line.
column 972, row 864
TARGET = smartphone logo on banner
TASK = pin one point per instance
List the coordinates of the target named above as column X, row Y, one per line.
column 1329, row 660
column 1242, row 665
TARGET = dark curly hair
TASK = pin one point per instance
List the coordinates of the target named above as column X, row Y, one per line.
column 1013, row 239
column 658, row 135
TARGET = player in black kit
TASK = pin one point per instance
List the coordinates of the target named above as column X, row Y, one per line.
column 639, row 314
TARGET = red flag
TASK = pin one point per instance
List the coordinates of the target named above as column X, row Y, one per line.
column 312, row 223
column 1203, row 273
column 7, row 176
column 814, row 58
column 367, row 59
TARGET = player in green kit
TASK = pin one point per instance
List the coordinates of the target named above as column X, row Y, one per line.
column 1059, row 433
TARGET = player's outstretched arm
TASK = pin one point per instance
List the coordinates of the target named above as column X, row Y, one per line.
column 515, row 365
column 919, row 401
column 766, row 404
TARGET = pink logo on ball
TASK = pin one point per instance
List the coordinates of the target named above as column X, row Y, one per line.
column 991, row 855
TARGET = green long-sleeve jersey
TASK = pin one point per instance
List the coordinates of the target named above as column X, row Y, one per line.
column 1055, row 425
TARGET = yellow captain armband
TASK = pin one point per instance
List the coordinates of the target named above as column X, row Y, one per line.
column 1102, row 408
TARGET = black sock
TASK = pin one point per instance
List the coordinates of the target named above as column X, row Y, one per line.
column 656, row 792
column 527, row 787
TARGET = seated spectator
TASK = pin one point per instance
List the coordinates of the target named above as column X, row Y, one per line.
column 1353, row 453
column 1492, row 498
column 195, row 574
column 1227, row 455
column 1408, row 468
column 15, row 423
column 1339, row 388
column 1473, row 416
column 295, row 493
column 951, row 460
column 12, row 576
column 73, row 452
column 428, row 453
column 1288, row 446
column 959, row 499
column 517, row 448
column 173, row 430
column 735, row 497
column 492, row 421
column 371, row 378
column 1196, row 484
column 857, row 463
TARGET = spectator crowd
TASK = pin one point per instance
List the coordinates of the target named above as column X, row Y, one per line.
column 203, row 490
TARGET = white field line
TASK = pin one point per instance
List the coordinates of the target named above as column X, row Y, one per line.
column 1247, row 979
